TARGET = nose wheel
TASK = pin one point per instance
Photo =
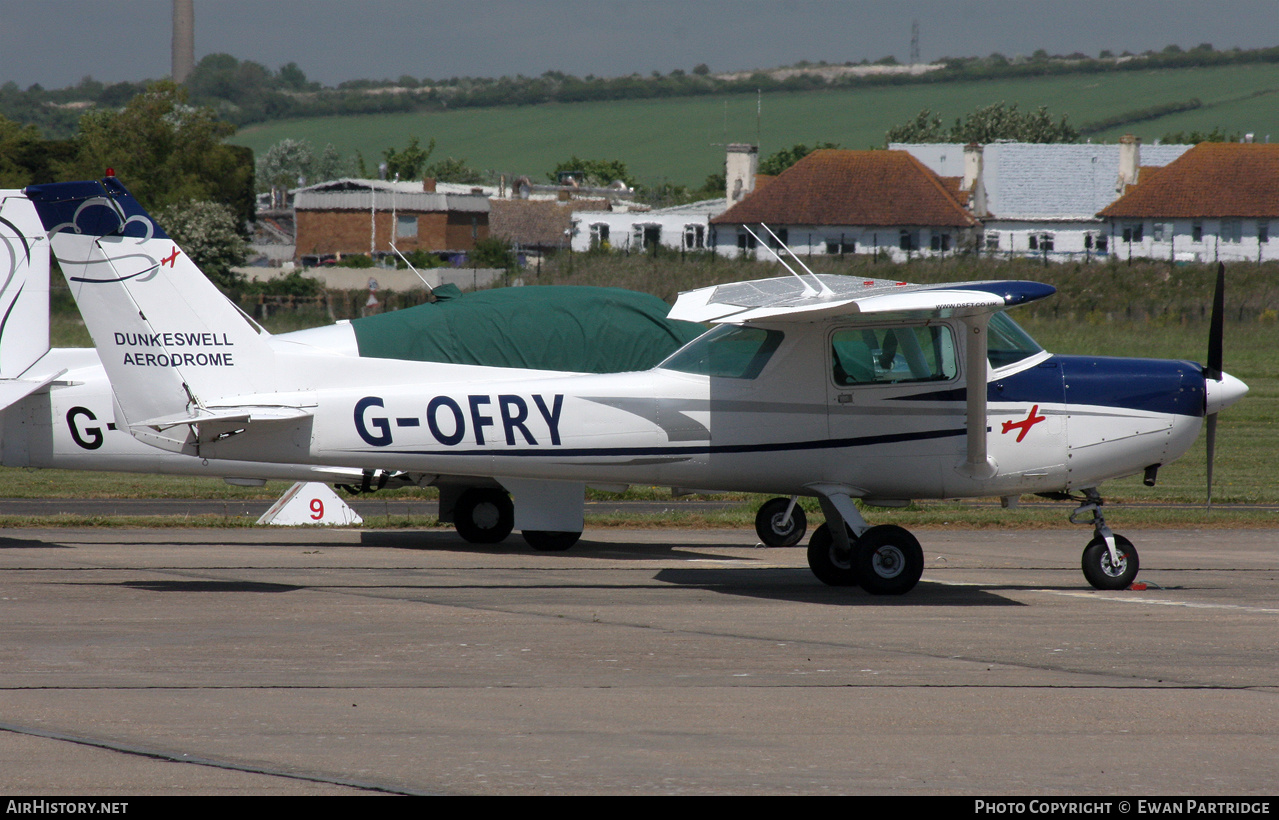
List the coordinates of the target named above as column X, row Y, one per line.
column 1109, row 561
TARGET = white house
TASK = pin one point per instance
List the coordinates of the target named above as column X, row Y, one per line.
column 838, row 202
column 1217, row 202
column 1043, row 199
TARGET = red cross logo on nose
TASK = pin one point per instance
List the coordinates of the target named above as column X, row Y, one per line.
column 171, row 258
column 1025, row 424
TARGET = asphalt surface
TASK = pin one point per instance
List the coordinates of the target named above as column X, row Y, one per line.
column 640, row 662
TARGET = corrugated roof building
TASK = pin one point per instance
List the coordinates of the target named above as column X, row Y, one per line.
column 366, row 215
column 1043, row 199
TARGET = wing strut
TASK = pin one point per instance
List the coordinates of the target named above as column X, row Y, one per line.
column 978, row 463
column 809, row 290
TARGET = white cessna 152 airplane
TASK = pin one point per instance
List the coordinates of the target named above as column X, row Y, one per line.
column 815, row 385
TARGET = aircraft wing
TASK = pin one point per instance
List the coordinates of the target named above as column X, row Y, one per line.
column 790, row 298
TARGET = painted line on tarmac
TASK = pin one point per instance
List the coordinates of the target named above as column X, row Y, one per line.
column 1097, row 596
column 1149, row 602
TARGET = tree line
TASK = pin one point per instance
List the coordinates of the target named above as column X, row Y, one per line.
column 244, row 92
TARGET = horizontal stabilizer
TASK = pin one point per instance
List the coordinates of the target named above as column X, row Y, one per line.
column 788, row 299
column 15, row 390
column 231, row 415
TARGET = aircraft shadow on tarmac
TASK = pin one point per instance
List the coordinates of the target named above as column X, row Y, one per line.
column 777, row 583
column 798, row 586
column 31, row 544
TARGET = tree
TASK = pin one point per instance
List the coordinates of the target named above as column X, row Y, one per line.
column 597, row 173
column 207, row 233
column 777, row 162
column 1195, row 137
column 492, row 252
column 287, row 163
column 19, row 145
column 999, row 121
column 165, row 152
column 454, row 170
column 408, row 164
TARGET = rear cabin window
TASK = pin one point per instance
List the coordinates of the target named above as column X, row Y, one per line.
column 728, row 352
column 893, row 355
column 1007, row 343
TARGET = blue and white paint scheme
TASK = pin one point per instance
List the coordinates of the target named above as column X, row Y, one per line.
column 810, row 385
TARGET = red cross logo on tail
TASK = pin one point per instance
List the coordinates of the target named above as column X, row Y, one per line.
column 1025, row 424
column 171, row 258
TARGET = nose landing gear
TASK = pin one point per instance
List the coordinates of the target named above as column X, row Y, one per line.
column 1109, row 561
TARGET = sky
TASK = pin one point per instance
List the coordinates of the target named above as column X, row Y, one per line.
column 57, row 42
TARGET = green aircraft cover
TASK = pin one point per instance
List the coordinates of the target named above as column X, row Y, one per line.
column 554, row 327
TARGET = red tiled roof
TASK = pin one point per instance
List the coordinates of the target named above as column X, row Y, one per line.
column 1213, row 180
column 862, row 188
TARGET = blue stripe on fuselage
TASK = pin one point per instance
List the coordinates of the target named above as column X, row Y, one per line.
column 1151, row 385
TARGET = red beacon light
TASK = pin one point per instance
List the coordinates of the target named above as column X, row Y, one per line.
column 110, row 172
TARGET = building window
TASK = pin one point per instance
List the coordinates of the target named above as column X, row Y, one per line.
column 909, row 240
column 1097, row 242
column 1134, row 231
column 1157, row 231
column 1263, row 232
column 940, row 242
column 475, row 227
column 778, row 239
column 745, row 242
column 694, row 237
column 1196, row 231
column 841, row 246
column 1231, row 230
column 599, row 235
column 405, row 227
column 992, row 240
column 646, row 236
column 1040, row 241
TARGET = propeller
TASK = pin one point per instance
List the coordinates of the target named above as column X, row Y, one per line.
column 1213, row 370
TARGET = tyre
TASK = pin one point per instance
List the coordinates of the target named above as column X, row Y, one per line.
column 484, row 515
column 1103, row 573
column 888, row 560
column 772, row 527
column 829, row 563
column 550, row 541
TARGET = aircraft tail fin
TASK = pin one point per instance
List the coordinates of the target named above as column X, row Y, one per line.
column 168, row 338
column 24, row 285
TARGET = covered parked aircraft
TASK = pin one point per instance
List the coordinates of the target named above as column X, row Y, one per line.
column 829, row 386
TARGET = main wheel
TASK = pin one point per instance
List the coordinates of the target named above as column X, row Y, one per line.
column 831, row 565
column 1103, row 573
column 484, row 515
column 772, row 527
column 888, row 560
column 550, row 541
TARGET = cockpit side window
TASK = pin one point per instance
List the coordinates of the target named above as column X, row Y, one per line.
column 728, row 351
column 1007, row 343
column 893, row 355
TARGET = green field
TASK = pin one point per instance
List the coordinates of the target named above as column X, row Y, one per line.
column 681, row 140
